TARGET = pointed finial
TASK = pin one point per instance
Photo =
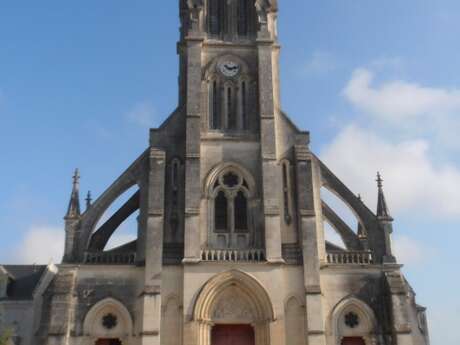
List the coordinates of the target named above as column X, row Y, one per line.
column 73, row 210
column 88, row 200
column 382, row 207
column 360, row 198
column 379, row 180
column 76, row 178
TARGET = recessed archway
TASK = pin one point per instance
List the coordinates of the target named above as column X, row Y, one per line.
column 233, row 298
column 352, row 322
column 108, row 322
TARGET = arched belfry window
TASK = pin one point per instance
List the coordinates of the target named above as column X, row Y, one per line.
column 231, row 19
column 244, row 104
column 247, row 19
column 216, row 16
column 230, row 108
column 232, row 95
column 230, row 215
column 215, row 118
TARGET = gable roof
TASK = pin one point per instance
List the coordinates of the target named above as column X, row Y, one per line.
column 24, row 280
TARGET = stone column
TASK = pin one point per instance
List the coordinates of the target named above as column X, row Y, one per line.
column 192, row 159
column 270, row 170
column 262, row 332
column 204, row 332
column 308, row 188
column 151, row 295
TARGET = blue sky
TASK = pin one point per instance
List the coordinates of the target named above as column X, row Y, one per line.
column 376, row 82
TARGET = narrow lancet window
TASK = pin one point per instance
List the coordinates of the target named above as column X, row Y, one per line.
column 231, row 118
column 175, row 174
column 244, row 106
column 214, row 18
column 214, row 106
column 241, row 212
column 174, row 219
column 221, row 212
column 286, row 196
column 217, row 10
column 243, row 6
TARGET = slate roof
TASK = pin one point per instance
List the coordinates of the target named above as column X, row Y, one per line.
column 24, row 280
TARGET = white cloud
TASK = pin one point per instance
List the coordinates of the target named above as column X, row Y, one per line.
column 142, row 114
column 40, row 245
column 320, row 62
column 409, row 251
column 399, row 99
column 413, row 182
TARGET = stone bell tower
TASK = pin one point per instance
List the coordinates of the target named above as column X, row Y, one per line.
column 229, row 95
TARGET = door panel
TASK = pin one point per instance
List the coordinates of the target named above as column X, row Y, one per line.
column 232, row 335
column 108, row 342
column 353, row 341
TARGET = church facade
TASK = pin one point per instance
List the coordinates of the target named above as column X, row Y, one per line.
column 231, row 245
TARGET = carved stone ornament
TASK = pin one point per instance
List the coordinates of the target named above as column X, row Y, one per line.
column 352, row 320
column 109, row 321
column 263, row 7
column 232, row 308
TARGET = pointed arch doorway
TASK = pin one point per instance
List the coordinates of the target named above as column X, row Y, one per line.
column 232, row 335
column 233, row 308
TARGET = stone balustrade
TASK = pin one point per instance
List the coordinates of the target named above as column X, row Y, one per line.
column 233, row 255
column 349, row 258
column 110, row 258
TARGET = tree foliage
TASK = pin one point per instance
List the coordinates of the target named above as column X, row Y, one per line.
column 5, row 335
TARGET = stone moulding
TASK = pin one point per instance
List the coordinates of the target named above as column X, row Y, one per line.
column 209, row 309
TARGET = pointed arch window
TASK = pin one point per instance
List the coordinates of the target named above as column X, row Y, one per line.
column 216, row 17
column 222, row 23
column 244, row 105
column 232, row 123
column 231, row 211
column 221, row 212
column 214, row 105
column 243, row 6
column 231, row 100
column 241, row 212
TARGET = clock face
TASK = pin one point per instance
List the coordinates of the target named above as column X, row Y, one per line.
column 229, row 68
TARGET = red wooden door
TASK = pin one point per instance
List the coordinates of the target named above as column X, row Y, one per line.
column 108, row 342
column 353, row 341
column 232, row 335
